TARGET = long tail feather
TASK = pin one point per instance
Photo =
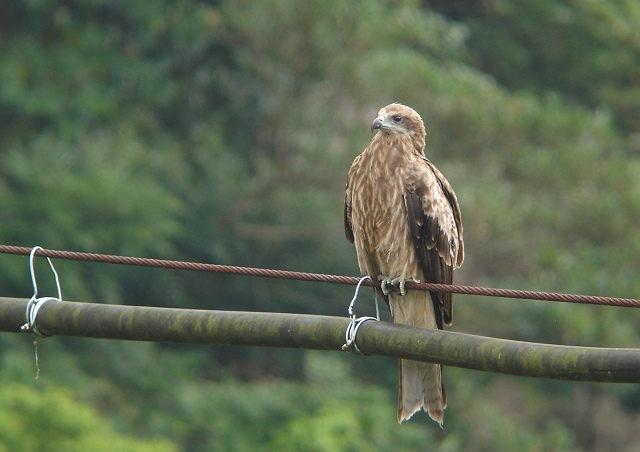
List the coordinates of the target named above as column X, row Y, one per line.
column 420, row 384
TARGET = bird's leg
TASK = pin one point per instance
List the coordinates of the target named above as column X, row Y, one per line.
column 389, row 285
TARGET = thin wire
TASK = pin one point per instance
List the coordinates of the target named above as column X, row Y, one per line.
column 34, row 304
column 352, row 311
column 32, row 254
column 356, row 322
column 316, row 277
column 375, row 297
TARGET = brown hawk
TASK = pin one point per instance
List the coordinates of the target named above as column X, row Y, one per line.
column 403, row 217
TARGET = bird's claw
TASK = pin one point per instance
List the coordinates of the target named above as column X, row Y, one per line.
column 389, row 285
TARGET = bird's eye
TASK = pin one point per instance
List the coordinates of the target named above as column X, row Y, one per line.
column 396, row 118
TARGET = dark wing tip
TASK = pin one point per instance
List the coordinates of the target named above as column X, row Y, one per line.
column 348, row 232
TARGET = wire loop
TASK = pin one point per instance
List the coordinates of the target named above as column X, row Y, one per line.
column 34, row 304
column 350, row 335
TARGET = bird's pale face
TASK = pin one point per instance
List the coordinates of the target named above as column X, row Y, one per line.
column 398, row 119
column 388, row 123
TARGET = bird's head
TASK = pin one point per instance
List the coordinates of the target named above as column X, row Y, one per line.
column 398, row 119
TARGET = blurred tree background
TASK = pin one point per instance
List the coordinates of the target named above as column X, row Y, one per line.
column 222, row 131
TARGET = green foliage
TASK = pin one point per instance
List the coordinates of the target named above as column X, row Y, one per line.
column 51, row 420
column 586, row 50
column 330, row 412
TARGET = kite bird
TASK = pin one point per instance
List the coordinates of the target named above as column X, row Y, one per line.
column 403, row 217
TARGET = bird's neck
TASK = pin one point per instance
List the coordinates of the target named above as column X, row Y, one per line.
column 388, row 153
column 401, row 143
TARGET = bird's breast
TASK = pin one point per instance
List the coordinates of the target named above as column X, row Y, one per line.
column 380, row 224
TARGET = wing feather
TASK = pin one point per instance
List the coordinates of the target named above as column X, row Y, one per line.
column 436, row 231
column 348, row 231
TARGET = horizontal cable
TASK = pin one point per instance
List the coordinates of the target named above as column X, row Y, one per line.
column 142, row 323
column 318, row 277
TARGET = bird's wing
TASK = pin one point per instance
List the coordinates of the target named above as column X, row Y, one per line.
column 348, row 231
column 436, row 231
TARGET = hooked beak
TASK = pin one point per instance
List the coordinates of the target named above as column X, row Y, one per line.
column 376, row 124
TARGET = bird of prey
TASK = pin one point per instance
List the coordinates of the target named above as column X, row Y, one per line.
column 403, row 217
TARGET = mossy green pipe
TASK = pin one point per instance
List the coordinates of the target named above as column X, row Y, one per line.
column 326, row 333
